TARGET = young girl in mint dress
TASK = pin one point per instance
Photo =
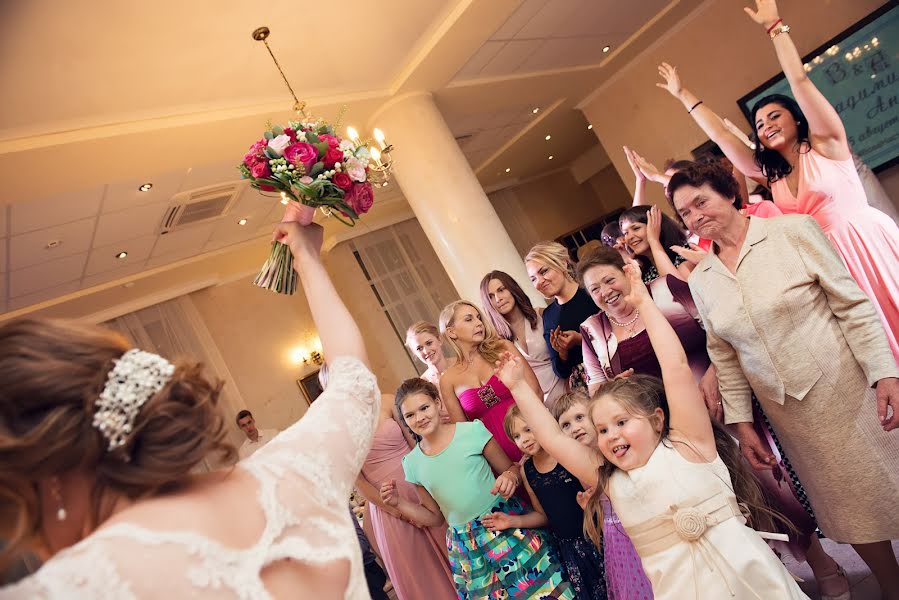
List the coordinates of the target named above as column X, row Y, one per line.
column 453, row 470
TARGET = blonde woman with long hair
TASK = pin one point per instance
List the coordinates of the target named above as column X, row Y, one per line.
column 469, row 389
column 552, row 272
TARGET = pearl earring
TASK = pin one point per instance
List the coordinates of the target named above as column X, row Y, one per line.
column 57, row 496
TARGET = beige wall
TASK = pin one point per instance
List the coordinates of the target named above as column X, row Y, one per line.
column 550, row 206
column 255, row 330
column 721, row 55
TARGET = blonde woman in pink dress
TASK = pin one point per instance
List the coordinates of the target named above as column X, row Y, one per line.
column 415, row 557
column 803, row 154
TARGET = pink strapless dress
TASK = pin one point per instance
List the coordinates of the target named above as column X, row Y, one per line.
column 868, row 240
column 490, row 403
column 416, row 559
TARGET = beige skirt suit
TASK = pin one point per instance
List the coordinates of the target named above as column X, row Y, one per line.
column 793, row 326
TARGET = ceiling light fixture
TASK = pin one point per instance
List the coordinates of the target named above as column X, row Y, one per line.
column 550, row 157
column 547, row 138
column 606, row 49
column 590, row 126
column 536, row 110
column 145, row 187
column 53, row 244
column 380, row 167
column 242, row 222
column 508, row 169
column 121, row 254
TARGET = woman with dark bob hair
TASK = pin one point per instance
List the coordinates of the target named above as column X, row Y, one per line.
column 97, row 446
column 784, row 319
column 803, row 155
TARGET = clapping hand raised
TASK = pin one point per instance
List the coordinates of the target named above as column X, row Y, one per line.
column 509, row 369
column 638, row 294
column 765, row 13
column 642, row 168
column 693, row 253
column 672, row 83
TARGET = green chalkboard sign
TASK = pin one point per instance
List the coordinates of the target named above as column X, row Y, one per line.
column 858, row 71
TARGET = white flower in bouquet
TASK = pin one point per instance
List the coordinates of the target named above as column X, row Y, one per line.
column 279, row 143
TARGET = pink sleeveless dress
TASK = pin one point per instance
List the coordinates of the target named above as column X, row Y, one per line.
column 490, row 403
column 831, row 192
column 416, row 559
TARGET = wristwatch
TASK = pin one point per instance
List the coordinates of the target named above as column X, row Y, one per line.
column 779, row 30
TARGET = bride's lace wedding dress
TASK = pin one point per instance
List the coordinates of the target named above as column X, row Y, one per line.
column 304, row 480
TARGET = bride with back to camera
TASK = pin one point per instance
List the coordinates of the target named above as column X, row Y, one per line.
column 97, row 446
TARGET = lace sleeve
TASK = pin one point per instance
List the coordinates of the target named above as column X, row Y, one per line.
column 334, row 436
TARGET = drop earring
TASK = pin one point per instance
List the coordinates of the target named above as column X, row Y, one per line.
column 57, row 497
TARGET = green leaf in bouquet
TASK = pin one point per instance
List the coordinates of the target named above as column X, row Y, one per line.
column 271, row 153
column 317, row 169
column 268, row 135
column 277, row 130
column 322, row 148
column 312, row 138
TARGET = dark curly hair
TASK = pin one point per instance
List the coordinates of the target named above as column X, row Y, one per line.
column 719, row 178
column 773, row 165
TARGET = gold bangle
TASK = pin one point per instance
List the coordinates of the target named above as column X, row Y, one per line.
column 779, row 30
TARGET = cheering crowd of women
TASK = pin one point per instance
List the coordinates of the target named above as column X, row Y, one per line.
column 678, row 417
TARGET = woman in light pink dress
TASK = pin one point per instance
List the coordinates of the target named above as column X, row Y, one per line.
column 803, row 154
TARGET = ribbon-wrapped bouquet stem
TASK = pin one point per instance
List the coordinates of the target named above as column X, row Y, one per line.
column 312, row 168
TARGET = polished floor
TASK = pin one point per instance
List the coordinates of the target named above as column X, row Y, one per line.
column 862, row 583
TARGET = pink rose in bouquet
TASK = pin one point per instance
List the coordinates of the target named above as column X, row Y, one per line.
column 260, row 169
column 255, row 154
column 332, row 156
column 333, row 141
column 343, row 181
column 360, row 198
column 301, row 153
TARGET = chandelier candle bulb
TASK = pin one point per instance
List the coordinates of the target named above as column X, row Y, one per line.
column 353, row 134
column 379, row 136
column 375, row 154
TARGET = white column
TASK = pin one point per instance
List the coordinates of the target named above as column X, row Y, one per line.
column 447, row 198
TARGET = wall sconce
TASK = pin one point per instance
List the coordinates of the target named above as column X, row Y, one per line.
column 314, row 357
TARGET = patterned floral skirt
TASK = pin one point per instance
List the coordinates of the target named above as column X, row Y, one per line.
column 515, row 563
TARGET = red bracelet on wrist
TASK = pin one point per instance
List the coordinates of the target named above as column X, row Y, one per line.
column 774, row 25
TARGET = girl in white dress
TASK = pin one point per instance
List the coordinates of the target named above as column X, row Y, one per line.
column 665, row 476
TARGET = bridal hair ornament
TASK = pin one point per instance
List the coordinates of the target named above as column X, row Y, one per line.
column 135, row 378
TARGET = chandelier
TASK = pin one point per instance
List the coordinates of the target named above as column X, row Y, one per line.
column 381, row 164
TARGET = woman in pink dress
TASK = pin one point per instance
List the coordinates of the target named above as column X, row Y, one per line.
column 803, row 154
column 469, row 389
column 415, row 557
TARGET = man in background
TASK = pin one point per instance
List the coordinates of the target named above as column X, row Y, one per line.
column 256, row 439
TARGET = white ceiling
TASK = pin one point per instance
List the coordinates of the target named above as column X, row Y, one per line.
column 557, row 34
column 111, row 61
column 70, row 242
column 100, row 96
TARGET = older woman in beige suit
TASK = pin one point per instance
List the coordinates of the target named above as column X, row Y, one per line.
column 785, row 319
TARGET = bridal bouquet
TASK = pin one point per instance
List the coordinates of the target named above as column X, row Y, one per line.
column 313, row 169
